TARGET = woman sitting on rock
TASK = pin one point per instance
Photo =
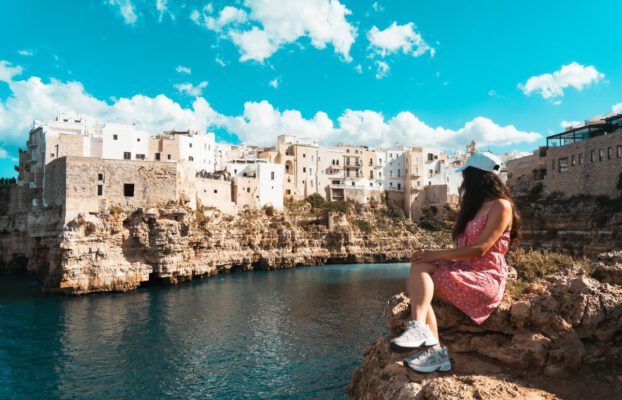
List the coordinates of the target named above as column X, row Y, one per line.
column 472, row 276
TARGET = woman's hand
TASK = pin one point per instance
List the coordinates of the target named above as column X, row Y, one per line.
column 424, row 256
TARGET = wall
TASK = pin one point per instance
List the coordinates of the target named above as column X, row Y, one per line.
column 215, row 193
column 245, row 192
column 155, row 183
column 597, row 177
column 129, row 139
column 270, row 181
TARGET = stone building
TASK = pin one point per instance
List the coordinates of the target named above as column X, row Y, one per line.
column 581, row 160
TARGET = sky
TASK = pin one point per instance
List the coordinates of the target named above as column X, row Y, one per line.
column 379, row 73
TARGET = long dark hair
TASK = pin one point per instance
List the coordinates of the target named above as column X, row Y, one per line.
column 477, row 187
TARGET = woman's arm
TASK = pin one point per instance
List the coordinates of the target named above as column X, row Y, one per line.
column 499, row 217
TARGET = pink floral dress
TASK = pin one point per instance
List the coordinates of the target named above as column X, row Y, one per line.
column 475, row 285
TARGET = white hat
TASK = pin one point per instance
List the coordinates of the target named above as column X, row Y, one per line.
column 486, row 161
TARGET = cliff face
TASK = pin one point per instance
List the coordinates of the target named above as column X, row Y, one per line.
column 119, row 251
column 581, row 225
column 564, row 337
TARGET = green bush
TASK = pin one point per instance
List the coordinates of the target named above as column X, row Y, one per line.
column 364, row 226
column 316, row 200
column 532, row 265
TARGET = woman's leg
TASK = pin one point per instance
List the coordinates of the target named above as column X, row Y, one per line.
column 420, row 290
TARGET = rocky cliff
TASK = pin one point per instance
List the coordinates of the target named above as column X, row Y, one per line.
column 581, row 225
column 120, row 250
column 561, row 337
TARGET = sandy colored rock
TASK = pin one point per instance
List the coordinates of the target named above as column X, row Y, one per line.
column 551, row 342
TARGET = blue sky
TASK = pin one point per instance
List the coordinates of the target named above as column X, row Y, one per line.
column 431, row 73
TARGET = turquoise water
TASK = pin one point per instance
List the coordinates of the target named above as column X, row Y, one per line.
column 291, row 334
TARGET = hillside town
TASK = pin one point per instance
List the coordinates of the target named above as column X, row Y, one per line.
column 82, row 166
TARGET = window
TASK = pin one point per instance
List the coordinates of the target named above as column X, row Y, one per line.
column 304, row 169
column 127, row 155
column 609, row 153
column 272, row 175
column 304, row 155
column 128, row 189
column 572, row 161
column 100, row 190
column 592, row 156
column 248, row 190
column 215, row 190
column 580, row 158
column 157, row 156
column 115, row 137
column 190, row 158
column 168, row 156
column 563, row 164
column 138, row 139
column 311, row 182
column 310, row 171
column 399, row 186
column 100, row 177
column 399, row 173
column 352, row 183
column 553, row 164
column 601, row 154
column 190, row 144
column 288, row 191
column 619, row 151
column 391, row 174
column 52, row 155
column 140, row 156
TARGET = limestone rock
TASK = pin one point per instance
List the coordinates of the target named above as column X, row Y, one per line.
column 571, row 323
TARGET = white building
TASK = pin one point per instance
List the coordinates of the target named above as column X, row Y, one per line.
column 124, row 142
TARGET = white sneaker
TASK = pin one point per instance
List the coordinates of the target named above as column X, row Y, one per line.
column 417, row 335
column 429, row 360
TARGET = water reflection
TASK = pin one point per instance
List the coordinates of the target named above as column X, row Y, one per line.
column 279, row 334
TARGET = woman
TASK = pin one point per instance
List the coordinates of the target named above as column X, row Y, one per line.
column 471, row 276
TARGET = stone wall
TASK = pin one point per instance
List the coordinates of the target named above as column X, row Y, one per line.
column 245, row 192
column 590, row 167
column 597, row 173
column 153, row 183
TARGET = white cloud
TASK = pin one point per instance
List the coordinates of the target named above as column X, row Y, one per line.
column 617, row 108
column 26, row 53
column 267, row 25
column 183, row 70
column 228, row 16
column 550, row 86
column 3, row 153
column 377, row 7
column 274, row 83
column 397, row 38
column 492, row 93
column 127, row 10
column 33, row 99
column 571, row 124
column 8, row 71
column 220, row 61
column 162, row 8
column 382, row 69
column 254, row 44
column 260, row 123
column 190, row 89
column 359, row 68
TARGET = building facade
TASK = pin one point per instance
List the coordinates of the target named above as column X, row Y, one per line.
column 581, row 160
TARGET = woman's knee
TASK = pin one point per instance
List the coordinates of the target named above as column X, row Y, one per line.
column 422, row 267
